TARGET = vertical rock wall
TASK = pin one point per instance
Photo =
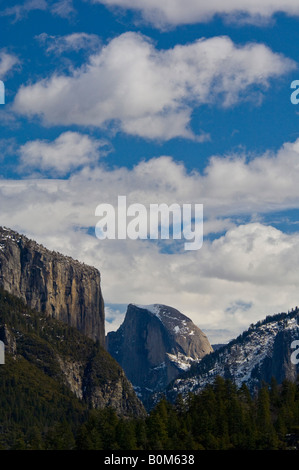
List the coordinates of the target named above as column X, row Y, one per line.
column 52, row 283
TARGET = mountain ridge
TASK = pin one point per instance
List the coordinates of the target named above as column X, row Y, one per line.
column 257, row 355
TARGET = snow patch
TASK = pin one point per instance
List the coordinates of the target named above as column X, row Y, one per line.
column 153, row 308
column 181, row 361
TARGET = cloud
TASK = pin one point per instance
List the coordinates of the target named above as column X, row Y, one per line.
column 245, row 272
column 71, row 42
column 253, row 253
column 114, row 316
column 261, row 184
column 228, row 187
column 177, row 12
column 70, row 151
column 21, row 10
column 63, row 8
column 7, row 63
column 8, row 146
column 140, row 90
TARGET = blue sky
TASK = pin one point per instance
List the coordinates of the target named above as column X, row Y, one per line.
column 162, row 102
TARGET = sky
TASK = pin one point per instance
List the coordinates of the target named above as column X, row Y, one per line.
column 174, row 102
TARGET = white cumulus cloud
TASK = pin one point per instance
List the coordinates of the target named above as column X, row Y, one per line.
column 176, row 12
column 140, row 90
column 71, row 150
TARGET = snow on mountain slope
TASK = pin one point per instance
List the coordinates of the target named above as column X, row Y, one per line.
column 260, row 353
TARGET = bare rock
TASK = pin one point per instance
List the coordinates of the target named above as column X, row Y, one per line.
column 53, row 284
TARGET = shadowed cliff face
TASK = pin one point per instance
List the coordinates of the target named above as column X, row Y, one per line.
column 52, row 284
column 56, row 355
column 154, row 344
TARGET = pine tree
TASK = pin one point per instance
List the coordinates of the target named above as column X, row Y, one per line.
column 157, row 427
column 125, row 435
column 267, row 438
column 60, row 437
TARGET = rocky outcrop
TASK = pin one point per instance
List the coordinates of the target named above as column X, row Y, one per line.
column 8, row 340
column 64, row 356
column 52, row 283
column 154, row 344
column 100, row 382
column 106, row 385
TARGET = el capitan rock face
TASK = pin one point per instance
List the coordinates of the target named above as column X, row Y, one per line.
column 154, row 345
column 52, row 283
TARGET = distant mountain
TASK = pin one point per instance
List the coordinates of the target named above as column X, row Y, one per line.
column 51, row 283
column 218, row 346
column 259, row 354
column 154, row 344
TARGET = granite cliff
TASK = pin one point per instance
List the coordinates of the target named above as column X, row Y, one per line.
column 154, row 345
column 53, row 284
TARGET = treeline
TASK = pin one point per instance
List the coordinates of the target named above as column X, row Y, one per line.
column 208, row 362
column 221, row 417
